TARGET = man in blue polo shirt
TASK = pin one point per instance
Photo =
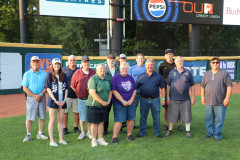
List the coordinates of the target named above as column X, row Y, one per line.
column 135, row 71
column 180, row 80
column 33, row 86
column 149, row 84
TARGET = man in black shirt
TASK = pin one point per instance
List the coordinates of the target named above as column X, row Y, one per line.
column 164, row 70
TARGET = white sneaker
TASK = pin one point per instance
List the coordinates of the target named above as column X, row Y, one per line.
column 94, row 143
column 63, row 142
column 42, row 136
column 102, row 142
column 54, row 144
column 89, row 135
column 81, row 136
column 27, row 138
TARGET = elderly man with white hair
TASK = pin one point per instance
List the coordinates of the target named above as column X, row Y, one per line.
column 72, row 100
column 180, row 80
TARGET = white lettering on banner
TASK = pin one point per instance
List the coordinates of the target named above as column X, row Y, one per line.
column 230, row 65
column 195, row 70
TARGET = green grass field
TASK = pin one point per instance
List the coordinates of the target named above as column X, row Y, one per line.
column 175, row 147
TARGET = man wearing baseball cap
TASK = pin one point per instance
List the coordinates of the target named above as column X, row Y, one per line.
column 217, row 86
column 122, row 58
column 33, row 86
column 79, row 85
column 164, row 70
column 111, row 71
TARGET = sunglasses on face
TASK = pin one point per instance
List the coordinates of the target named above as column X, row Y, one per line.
column 215, row 62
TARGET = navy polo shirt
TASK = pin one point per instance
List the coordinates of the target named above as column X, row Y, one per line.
column 180, row 84
column 149, row 86
column 69, row 73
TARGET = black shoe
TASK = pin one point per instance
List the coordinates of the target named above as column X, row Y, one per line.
column 169, row 133
column 75, row 130
column 165, row 127
column 180, row 128
column 130, row 138
column 139, row 136
column 159, row 136
column 188, row 134
column 115, row 140
column 207, row 136
column 65, row 131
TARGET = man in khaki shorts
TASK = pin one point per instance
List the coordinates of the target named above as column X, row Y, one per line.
column 33, row 86
column 72, row 100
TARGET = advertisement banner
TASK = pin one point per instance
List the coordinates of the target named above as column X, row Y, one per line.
column 75, row 8
column 187, row 11
column 229, row 66
column 198, row 69
column 45, row 60
column 231, row 12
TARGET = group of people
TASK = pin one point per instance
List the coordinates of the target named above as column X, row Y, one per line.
column 91, row 94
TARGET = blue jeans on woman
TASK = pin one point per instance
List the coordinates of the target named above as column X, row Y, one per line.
column 154, row 105
column 215, row 113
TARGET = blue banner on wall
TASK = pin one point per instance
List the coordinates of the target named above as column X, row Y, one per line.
column 229, row 66
column 45, row 60
column 198, row 69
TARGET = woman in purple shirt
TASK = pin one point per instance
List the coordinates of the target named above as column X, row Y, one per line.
column 124, row 91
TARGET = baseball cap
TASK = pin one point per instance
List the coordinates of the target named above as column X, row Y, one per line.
column 56, row 60
column 111, row 56
column 85, row 58
column 168, row 51
column 123, row 56
column 35, row 58
column 215, row 58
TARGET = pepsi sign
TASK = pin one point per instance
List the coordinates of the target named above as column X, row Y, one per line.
column 186, row 11
column 157, row 8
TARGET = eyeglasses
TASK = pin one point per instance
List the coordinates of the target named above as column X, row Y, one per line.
column 215, row 62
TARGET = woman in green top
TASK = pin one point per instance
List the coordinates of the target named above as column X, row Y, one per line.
column 98, row 99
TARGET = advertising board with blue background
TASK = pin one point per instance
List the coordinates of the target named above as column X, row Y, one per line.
column 45, row 60
column 198, row 69
column 229, row 66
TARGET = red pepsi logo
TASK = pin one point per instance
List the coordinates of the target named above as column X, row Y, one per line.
column 157, row 8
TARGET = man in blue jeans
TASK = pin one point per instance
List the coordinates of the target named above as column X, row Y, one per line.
column 135, row 71
column 149, row 84
column 217, row 85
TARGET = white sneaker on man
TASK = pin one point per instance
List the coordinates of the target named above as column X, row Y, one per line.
column 89, row 135
column 102, row 142
column 41, row 136
column 27, row 138
column 81, row 136
column 94, row 143
column 63, row 142
column 54, row 144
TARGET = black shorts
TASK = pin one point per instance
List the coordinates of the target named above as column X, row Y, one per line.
column 96, row 115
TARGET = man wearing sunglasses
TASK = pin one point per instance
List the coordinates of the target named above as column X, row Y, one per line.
column 217, row 86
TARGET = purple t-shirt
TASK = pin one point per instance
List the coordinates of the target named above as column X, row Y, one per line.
column 124, row 86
